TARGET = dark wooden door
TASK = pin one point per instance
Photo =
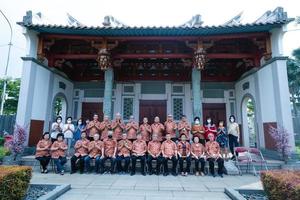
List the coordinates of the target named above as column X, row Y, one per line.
column 88, row 110
column 35, row 132
column 216, row 111
column 153, row 108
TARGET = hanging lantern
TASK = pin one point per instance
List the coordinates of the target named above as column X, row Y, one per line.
column 200, row 58
column 103, row 59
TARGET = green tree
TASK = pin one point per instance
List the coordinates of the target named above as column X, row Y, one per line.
column 293, row 69
column 12, row 91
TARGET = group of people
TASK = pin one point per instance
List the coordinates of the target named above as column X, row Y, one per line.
column 123, row 144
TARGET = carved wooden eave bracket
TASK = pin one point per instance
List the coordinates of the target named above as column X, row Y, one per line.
column 43, row 46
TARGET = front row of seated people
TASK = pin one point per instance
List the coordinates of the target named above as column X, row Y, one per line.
column 109, row 149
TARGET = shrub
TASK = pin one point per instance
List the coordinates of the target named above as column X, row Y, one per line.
column 4, row 152
column 1, row 141
column 281, row 184
column 17, row 144
column 14, row 182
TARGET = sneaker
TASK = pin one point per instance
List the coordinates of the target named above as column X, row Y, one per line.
column 62, row 172
column 202, row 174
column 186, row 174
column 45, row 171
column 197, row 174
column 182, row 174
column 42, row 171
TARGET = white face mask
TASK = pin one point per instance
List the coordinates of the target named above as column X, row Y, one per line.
column 231, row 120
column 209, row 121
column 79, row 122
column 197, row 122
column 69, row 121
column 58, row 121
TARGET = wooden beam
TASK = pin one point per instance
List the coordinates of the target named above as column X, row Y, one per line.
column 230, row 55
column 150, row 55
column 156, row 38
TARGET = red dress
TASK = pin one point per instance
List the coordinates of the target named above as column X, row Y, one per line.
column 213, row 130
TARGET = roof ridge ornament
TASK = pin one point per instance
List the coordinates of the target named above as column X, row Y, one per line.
column 196, row 21
column 236, row 20
column 110, row 21
column 277, row 14
column 72, row 21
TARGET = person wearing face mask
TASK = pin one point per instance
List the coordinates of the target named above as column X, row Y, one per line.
column 233, row 134
column 56, row 127
column 209, row 127
column 79, row 129
column 198, row 130
column 110, row 151
column 68, row 132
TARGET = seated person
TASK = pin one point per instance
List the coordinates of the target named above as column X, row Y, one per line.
column 184, row 151
column 58, row 153
column 198, row 154
column 81, row 151
column 110, row 150
column 124, row 149
column 213, row 154
column 96, row 151
column 139, row 149
column 154, row 153
column 43, row 151
column 169, row 152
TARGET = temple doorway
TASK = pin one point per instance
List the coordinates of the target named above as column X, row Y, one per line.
column 153, row 108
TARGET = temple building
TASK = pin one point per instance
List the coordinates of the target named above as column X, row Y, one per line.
column 217, row 71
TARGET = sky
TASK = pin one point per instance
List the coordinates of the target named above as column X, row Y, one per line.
column 134, row 12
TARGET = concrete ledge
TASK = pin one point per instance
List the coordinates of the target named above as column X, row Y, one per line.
column 233, row 194
column 54, row 194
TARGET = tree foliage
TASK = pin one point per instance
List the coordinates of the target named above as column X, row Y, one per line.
column 12, row 93
column 293, row 69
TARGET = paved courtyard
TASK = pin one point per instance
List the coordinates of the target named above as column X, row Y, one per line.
column 121, row 187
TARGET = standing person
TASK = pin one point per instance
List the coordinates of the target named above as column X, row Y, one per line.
column 79, row 128
column 213, row 155
column 198, row 154
column 145, row 130
column 56, row 127
column 118, row 127
column 222, row 139
column 198, row 130
column 110, row 150
column 96, row 151
column 43, row 152
column 105, row 126
column 210, row 127
column 132, row 128
column 81, row 151
column 58, row 153
column 184, row 127
column 87, row 121
column 170, row 127
column 139, row 149
column 169, row 152
column 233, row 134
column 154, row 153
column 124, row 149
column 184, row 151
column 68, row 132
column 158, row 128
column 93, row 127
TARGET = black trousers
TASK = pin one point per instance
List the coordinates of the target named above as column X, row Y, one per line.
column 119, row 163
column 188, row 164
column 112, row 163
column 174, row 164
column 212, row 161
column 44, row 161
column 75, row 160
column 158, row 163
column 202, row 161
column 233, row 142
column 142, row 159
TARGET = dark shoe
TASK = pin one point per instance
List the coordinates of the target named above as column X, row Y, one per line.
column 214, row 175
column 221, row 175
column 174, row 173
column 143, row 173
column 150, row 173
column 72, row 172
column 166, row 174
column 46, row 171
column 132, row 173
column 157, row 173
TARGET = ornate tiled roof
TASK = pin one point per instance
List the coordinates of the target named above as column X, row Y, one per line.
column 112, row 27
